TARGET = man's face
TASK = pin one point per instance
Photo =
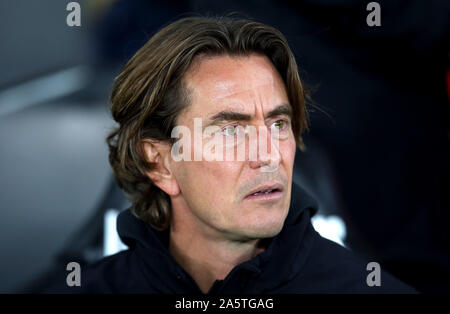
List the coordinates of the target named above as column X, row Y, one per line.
column 218, row 194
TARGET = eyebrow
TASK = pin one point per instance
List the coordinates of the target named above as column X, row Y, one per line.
column 283, row 109
column 229, row 115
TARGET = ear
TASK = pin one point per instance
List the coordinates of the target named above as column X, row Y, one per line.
column 158, row 153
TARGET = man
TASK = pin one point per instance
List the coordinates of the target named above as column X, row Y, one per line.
column 214, row 221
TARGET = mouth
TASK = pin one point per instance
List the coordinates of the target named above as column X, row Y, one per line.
column 266, row 192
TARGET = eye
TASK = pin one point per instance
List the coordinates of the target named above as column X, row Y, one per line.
column 280, row 124
column 230, row 130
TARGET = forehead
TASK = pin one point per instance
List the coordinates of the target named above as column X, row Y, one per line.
column 229, row 82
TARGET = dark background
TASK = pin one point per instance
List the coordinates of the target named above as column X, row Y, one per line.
column 378, row 151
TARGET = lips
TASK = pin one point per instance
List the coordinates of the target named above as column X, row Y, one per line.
column 266, row 191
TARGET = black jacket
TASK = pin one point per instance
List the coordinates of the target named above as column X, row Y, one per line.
column 297, row 260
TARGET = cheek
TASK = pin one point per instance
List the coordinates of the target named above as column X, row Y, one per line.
column 287, row 151
column 208, row 182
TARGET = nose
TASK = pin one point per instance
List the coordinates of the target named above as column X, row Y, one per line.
column 264, row 153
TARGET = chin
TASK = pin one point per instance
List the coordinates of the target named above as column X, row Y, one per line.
column 264, row 229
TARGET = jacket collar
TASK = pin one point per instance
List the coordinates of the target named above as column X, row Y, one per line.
column 282, row 259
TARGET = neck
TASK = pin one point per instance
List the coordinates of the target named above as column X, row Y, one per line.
column 206, row 255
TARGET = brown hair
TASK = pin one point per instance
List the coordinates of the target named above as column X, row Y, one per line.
column 149, row 94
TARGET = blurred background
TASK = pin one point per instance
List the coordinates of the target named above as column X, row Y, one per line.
column 377, row 157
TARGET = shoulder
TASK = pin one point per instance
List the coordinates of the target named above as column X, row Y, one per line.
column 332, row 268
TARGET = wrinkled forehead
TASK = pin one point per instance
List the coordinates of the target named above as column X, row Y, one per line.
column 225, row 82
